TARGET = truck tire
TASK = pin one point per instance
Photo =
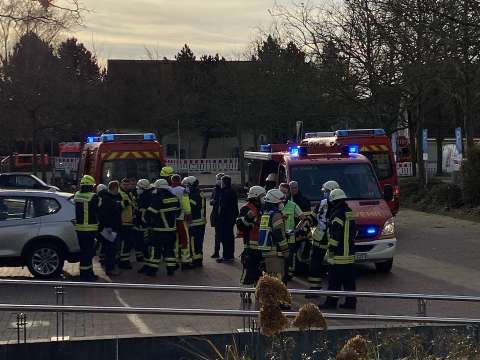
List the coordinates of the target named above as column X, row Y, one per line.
column 45, row 260
column 384, row 266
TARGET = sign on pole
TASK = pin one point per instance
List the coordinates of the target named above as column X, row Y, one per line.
column 459, row 139
column 425, row 144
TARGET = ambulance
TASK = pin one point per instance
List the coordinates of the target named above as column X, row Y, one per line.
column 374, row 144
column 117, row 156
column 312, row 166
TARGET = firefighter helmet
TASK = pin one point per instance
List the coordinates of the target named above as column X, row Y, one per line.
column 337, row 194
column 87, row 180
column 271, row 177
column 143, row 184
column 190, row 181
column 101, row 187
column 256, row 192
column 167, row 171
column 274, row 196
column 161, row 184
column 330, row 185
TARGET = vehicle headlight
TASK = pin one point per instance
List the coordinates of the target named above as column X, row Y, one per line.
column 389, row 228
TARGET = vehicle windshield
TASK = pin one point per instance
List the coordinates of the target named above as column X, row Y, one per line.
column 130, row 168
column 381, row 163
column 357, row 180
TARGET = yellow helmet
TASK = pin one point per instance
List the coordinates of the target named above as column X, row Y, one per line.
column 167, row 171
column 87, row 180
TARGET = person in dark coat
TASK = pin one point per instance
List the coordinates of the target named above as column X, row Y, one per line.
column 214, row 202
column 110, row 222
column 226, row 217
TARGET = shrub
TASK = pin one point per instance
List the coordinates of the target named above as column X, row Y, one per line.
column 471, row 177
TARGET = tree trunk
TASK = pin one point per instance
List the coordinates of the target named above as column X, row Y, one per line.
column 419, row 136
column 412, row 135
column 439, row 141
column 42, row 161
column 241, row 161
column 206, row 142
column 34, row 142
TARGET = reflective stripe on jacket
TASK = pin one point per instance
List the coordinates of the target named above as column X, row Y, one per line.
column 249, row 231
column 86, row 211
column 341, row 236
column 198, row 206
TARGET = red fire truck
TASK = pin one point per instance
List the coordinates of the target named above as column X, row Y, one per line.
column 374, row 144
column 117, row 156
column 311, row 167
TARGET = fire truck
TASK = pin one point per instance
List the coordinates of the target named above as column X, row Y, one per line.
column 374, row 144
column 312, row 166
column 117, row 156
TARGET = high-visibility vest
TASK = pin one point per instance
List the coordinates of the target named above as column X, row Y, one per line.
column 127, row 208
column 265, row 239
column 86, row 211
column 254, row 231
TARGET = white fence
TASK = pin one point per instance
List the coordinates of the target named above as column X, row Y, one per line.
column 405, row 169
column 204, row 165
column 68, row 164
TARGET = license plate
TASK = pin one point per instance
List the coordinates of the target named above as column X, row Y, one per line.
column 360, row 256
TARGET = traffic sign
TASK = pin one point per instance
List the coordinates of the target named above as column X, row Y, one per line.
column 459, row 139
column 425, row 144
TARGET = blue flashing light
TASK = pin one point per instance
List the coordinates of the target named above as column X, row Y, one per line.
column 91, row 139
column 266, row 148
column 294, row 150
column 108, row 137
column 149, row 137
column 371, row 230
column 353, row 149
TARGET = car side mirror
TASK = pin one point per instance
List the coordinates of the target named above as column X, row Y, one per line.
column 388, row 192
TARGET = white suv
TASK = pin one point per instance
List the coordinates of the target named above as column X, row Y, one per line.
column 36, row 230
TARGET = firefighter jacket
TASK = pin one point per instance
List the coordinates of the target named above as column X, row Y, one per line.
column 248, row 225
column 128, row 203
column 86, row 211
column 143, row 203
column 163, row 211
column 319, row 232
column 271, row 237
column 110, row 211
column 198, row 206
column 182, row 195
column 291, row 212
column 341, row 235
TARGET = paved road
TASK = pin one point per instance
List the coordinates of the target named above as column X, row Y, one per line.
column 436, row 254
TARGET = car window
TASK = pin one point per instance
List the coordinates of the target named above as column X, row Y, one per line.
column 7, row 181
column 26, row 182
column 12, row 208
column 44, row 207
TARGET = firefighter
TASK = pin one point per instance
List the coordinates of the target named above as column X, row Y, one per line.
column 86, row 225
column 183, row 239
column 102, row 192
column 166, row 173
column 271, row 181
column 320, row 239
column 196, row 227
column 272, row 241
column 140, row 230
column 126, row 232
column 341, row 256
column 248, row 227
column 161, row 216
column 292, row 215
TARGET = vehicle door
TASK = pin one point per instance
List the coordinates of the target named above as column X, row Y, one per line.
column 7, row 182
column 17, row 224
column 26, row 182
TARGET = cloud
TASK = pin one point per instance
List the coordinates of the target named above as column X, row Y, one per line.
column 122, row 28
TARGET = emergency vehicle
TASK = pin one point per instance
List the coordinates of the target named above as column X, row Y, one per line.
column 311, row 167
column 374, row 144
column 117, row 156
column 23, row 162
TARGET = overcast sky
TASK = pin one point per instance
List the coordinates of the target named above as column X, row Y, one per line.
column 121, row 29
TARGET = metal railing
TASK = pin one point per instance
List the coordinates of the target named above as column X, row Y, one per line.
column 60, row 308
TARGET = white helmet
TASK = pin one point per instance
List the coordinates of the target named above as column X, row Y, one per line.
column 330, row 185
column 189, row 181
column 337, row 194
column 161, row 184
column 256, row 192
column 271, row 177
column 274, row 196
column 143, row 184
column 101, row 187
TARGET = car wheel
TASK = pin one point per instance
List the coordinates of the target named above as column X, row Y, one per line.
column 384, row 266
column 45, row 260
